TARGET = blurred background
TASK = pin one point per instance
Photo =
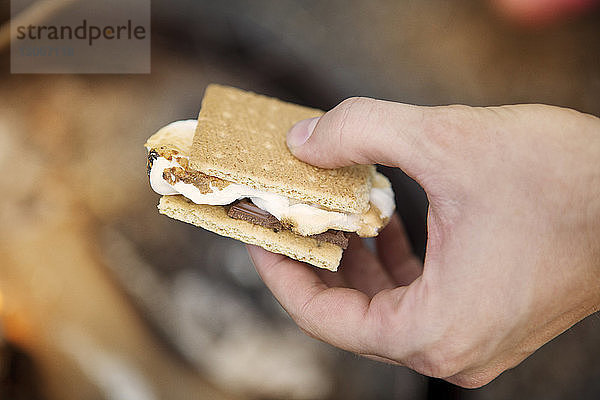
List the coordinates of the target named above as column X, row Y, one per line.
column 103, row 298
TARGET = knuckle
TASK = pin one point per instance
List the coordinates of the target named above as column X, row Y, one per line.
column 445, row 356
column 305, row 325
column 460, row 130
column 350, row 102
column 350, row 120
column 472, row 381
column 302, row 316
column 445, row 126
column 345, row 114
column 439, row 363
column 306, row 329
column 351, row 110
column 457, row 137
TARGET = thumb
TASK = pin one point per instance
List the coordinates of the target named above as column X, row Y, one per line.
column 368, row 131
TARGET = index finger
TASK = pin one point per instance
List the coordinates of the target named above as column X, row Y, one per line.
column 338, row 316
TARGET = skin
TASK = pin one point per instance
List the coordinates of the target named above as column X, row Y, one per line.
column 513, row 250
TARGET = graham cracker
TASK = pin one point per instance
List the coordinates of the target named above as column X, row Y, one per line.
column 215, row 219
column 241, row 137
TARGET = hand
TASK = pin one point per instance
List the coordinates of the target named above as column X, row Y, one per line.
column 513, row 251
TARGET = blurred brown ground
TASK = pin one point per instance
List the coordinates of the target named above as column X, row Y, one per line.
column 93, row 280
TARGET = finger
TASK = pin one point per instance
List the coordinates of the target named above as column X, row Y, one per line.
column 338, row 316
column 331, row 279
column 482, row 373
column 368, row 131
column 361, row 269
column 395, row 253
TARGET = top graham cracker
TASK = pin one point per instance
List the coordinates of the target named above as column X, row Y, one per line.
column 241, row 138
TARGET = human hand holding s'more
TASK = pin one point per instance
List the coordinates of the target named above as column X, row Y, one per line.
column 513, row 256
column 513, row 250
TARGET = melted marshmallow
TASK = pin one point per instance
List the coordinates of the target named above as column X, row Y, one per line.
column 304, row 219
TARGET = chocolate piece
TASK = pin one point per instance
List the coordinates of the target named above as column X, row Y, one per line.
column 248, row 211
column 338, row 238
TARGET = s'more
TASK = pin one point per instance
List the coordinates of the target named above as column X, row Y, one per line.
column 230, row 172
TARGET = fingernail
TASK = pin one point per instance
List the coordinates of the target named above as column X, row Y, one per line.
column 300, row 132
